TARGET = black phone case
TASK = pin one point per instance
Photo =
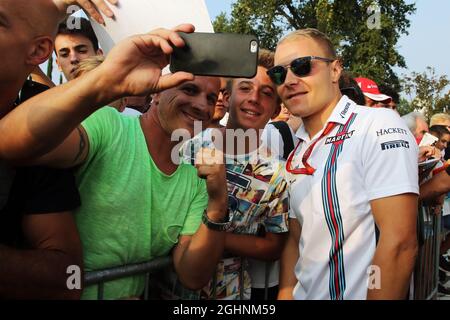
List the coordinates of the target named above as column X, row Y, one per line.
column 217, row 54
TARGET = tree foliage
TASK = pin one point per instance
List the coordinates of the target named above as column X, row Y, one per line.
column 431, row 92
column 404, row 107
column 50, row 66
column 365, row 36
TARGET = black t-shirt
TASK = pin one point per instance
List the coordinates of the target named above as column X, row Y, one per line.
column 36, row 190
column 6, row 179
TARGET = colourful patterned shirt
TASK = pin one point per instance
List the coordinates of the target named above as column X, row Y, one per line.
column 258, row 201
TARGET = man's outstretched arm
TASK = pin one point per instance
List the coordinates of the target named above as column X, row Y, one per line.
column 132, row 68
column 436, row 186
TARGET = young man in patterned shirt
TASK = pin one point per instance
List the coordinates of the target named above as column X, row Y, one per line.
column 257, row 195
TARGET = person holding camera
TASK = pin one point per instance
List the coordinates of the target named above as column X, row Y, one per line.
column 119, row 158
column 46, row 130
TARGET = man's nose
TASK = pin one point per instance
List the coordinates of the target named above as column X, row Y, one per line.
column 220, row 97
column 74, row 57
column 291, row 78
column 201, row 106
column 254, row 95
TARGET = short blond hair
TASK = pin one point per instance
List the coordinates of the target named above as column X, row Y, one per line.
column 88, row 64
column 266, row 60
column 315, row 35
column 439, row 119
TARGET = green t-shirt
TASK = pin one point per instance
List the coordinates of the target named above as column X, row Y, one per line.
column 131, row 212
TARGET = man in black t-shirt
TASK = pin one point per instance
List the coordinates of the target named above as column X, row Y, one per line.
column 38, row 236
column 39, row 240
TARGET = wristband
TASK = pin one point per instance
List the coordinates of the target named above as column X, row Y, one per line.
column 216, row 226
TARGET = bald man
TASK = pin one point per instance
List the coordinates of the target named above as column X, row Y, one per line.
column 38, row 237
column 28, row 40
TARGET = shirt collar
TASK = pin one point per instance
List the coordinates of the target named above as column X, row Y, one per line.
column 341, row 113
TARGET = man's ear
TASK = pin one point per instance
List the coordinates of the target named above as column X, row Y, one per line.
column 59, row 66
column 99, row 52
column 336, row 70
column 226, row 98
column 155, row 98
column 40, row 50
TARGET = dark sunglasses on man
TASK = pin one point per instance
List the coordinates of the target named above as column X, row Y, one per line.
column 301, row 67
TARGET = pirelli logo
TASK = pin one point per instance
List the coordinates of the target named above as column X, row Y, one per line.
column 395, row 144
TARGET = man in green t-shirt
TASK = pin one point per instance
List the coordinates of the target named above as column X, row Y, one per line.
column 137, row 204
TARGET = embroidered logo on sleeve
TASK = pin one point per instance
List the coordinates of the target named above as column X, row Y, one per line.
column 384, row 131
column 395, row 144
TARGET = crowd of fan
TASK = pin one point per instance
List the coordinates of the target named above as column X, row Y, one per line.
column 88, row 175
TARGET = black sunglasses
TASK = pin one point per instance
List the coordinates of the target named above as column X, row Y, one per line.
column 301, row 67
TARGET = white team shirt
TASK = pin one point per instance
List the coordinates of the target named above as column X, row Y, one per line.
column 369, row 155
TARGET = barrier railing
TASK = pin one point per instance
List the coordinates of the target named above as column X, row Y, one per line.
column 426, row 273
column 100, row 277
column 148, row 268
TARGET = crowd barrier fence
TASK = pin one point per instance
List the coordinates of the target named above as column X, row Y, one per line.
column 425, row 278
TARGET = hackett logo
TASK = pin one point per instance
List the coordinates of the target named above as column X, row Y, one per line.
column 382, row 132
column 395, row 144
column 339, row 138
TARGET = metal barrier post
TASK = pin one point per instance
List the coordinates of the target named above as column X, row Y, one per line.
column 147, row 283
column 426, row 273
column 266, row 281
column 241, row 280
column 100, row 292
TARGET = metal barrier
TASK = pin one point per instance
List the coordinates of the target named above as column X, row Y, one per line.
column 148, row 268
column 151, row 267
column 425, row 280
column 426, row 272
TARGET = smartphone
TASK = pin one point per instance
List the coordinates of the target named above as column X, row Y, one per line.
column 217, row 54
